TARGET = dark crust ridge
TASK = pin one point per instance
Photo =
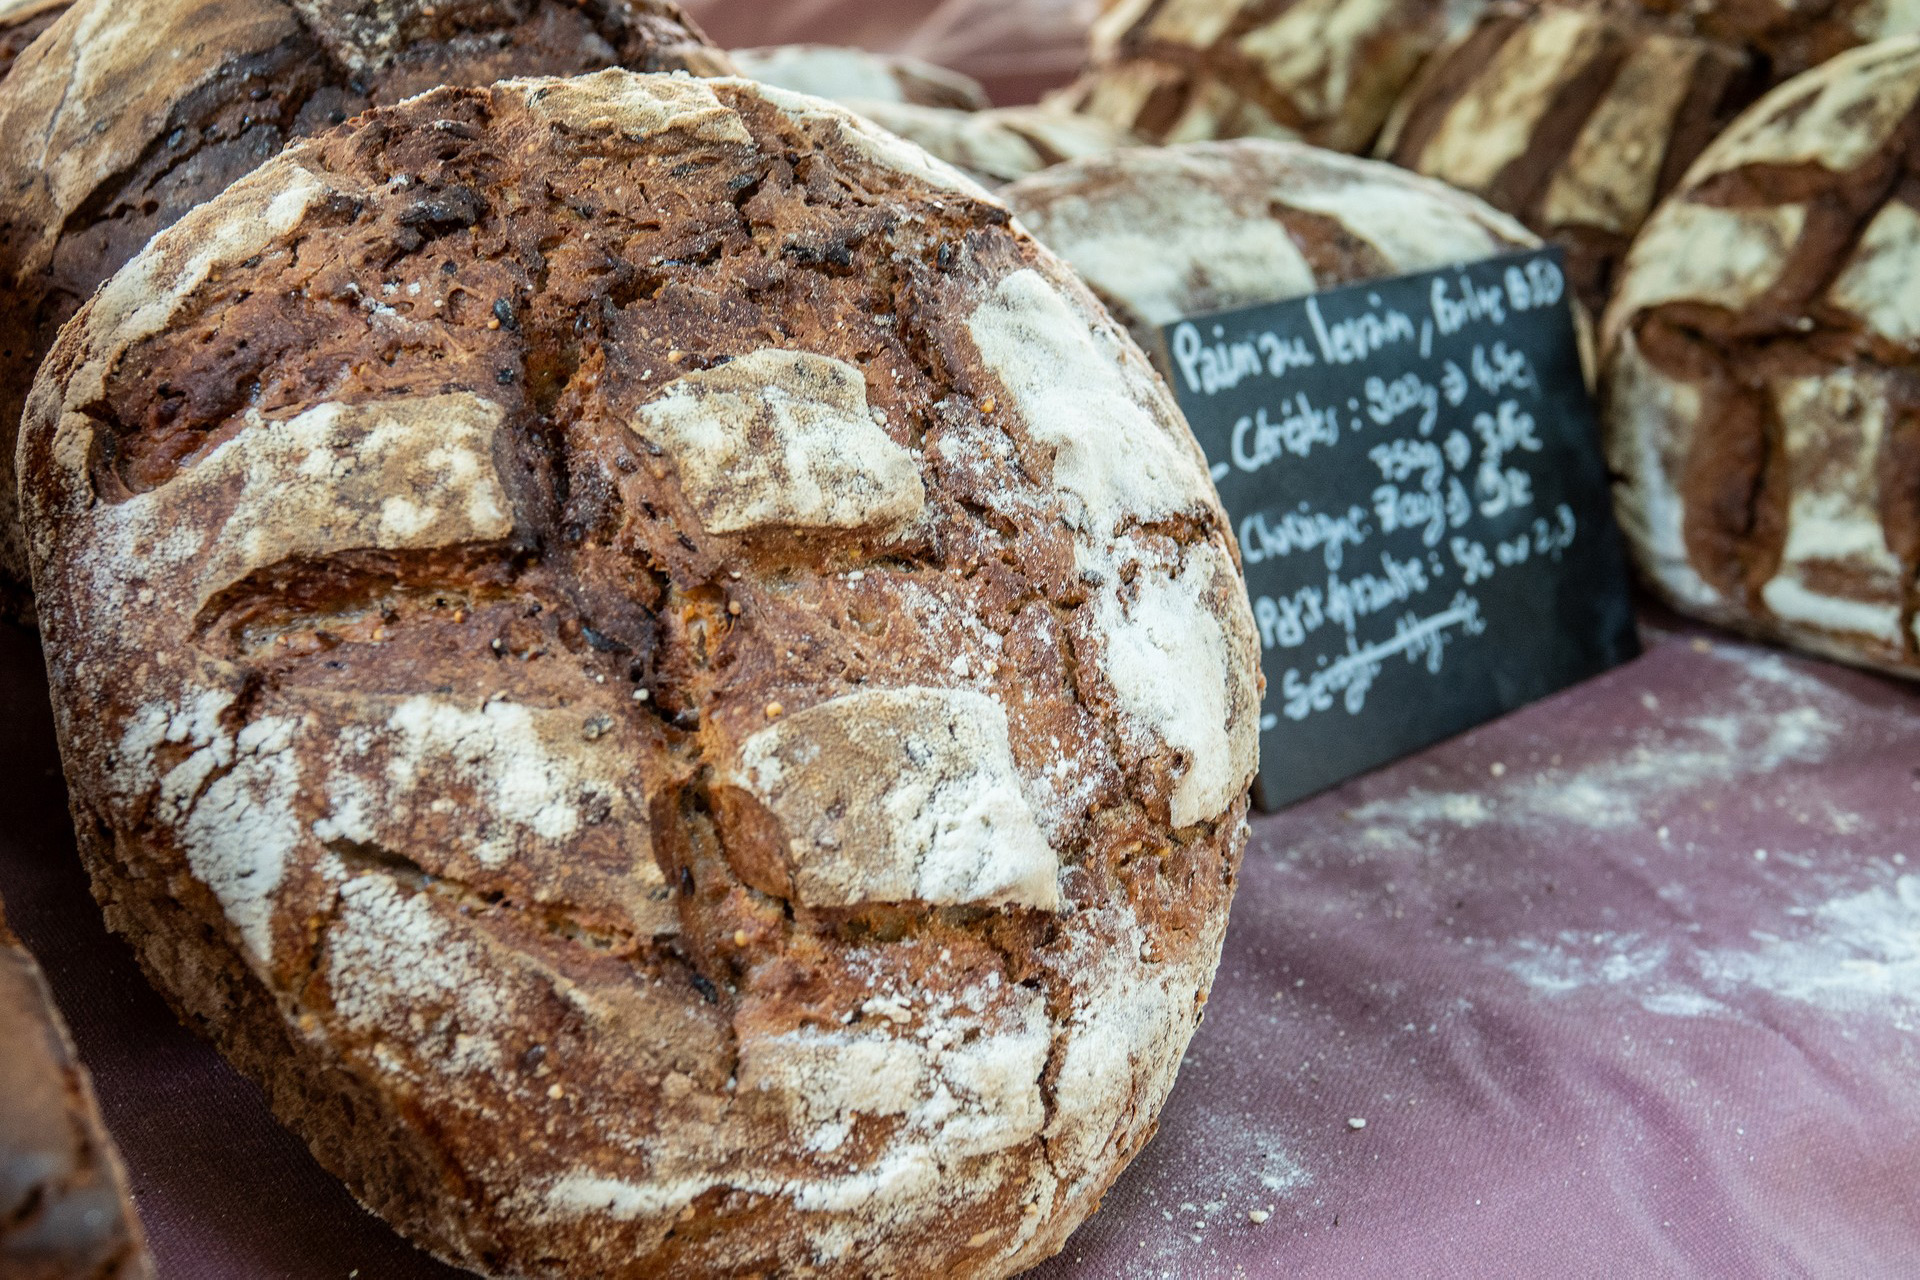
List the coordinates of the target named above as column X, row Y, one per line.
column 55, row 250
column 1735, row 483
column 567, row 274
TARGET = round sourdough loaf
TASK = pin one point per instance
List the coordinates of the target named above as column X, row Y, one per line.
column 126, row 115
column 844, row 75
column 1166, row 232
column 1761, row 365
column 1324, row 71
column 659, row 673
column 21, row 22
column 1573, row 116
column 999, row 144
column 64, row 1211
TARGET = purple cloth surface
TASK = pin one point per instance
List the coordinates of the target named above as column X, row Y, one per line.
column 1591, row 1029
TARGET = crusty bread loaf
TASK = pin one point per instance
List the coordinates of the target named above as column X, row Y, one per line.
column 848, row 75
column 1761, row 357
column 127, row 115
column 64, row 1211
column 1790, row 36
column 1573, row 115
column 659, row 673
column 1322, row 71
column 1165, row 232
column 1000, row 144
column 21, row 22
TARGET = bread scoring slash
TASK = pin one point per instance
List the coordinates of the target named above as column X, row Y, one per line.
column 1759, row 365
column 659, row 673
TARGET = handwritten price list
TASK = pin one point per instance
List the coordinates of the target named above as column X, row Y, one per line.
column 1414, row 472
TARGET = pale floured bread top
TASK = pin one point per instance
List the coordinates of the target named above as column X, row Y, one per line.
column 847, row 75
column 1760, row 355
column 1162, row 233
column 663, row 630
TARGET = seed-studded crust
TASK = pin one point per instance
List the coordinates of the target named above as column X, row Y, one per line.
column 21, row 22
column 848, row 75
column 659, row 673
column 999, row 144
column 64, row 1212
column 1762, row 369
column 127, row 115
column 1575, row 117
column 1165, row 232
column 1323, row 71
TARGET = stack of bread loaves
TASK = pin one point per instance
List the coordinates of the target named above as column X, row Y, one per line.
column 124, row 116
column 1762, row 361
column 1573, row 115
column 1324, row 71
column 658, row 672
column 939, row 110
column 1577, row 116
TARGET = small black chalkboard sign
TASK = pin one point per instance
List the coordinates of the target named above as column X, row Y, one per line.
column 1414, row 472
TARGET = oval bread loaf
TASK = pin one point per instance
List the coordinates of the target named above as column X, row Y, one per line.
column 848, row 75
column 1321, row 71
column 1762, row 369
column 659, row 673
column 1162, row 233
column 125, row 115
column 1573, row 117
column 999, row 144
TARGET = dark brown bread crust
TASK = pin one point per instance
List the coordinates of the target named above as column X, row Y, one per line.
column 1574, row 116
column 64, row 1211
column 622, row 852
column 127, row 115
column 1319, row 71
column 1762, row 369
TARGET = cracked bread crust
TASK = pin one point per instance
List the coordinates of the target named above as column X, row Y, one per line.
column 64, row 1209
column 659, row 672
column 1319, row 71
column 1575, row 117
column 1761, row 367
column 1166, row 232
column 125, row 116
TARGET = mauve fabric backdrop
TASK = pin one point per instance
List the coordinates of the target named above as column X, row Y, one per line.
column 1626, row 984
